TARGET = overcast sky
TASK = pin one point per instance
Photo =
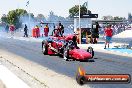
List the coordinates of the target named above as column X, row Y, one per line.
column 61, row 7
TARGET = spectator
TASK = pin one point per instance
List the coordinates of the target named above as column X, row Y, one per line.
column 74, row 39
column 46, row 30
column 12, row 29
column 37, row 31
column 108, row 32
column 95, row 32
column 25, row 31
column 61, row 29
column 7, row 28
column 55, row 32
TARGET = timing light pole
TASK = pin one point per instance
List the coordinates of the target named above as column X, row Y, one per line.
column 29, row 17
column 79, row 24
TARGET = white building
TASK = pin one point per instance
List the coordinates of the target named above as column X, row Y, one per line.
column 85, row 21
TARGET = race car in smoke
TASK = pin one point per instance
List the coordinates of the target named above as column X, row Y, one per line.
column 66, row 48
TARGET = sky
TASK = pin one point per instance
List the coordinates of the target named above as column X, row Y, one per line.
column 61, row 7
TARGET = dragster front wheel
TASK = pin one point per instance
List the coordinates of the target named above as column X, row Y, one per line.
column 66, row 54
column 90, row 50
column 44, row 49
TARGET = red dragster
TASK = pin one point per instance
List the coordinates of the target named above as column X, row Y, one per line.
column 66, row 48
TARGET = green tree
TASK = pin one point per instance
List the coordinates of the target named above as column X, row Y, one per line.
column 20, row 12
column 75, row 10
column 40, row 17
column 107, row 17
column 113, row 18
column 31, row 15
column 55, row 18
column 4, row 18
column 13, row 17
column 119, row 18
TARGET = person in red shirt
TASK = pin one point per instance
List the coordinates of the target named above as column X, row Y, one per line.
column 108, row 32
column 12, row 29
column 37, row 31
column 46, row 30
column 34, row 32
column 56, row 33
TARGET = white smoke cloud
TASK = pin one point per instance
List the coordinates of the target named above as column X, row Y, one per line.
column 29, row 21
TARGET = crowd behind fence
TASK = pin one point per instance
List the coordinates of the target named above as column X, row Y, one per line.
column 118, row 28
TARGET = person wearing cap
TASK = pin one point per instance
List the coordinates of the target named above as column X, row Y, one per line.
column 108, row 32
column 37, row 31
column 46, row 30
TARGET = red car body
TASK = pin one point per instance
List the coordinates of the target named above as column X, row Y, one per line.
column 55, row 45
column 79, row 54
